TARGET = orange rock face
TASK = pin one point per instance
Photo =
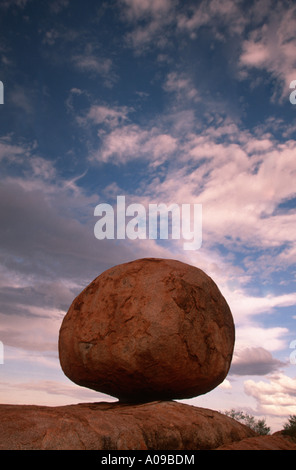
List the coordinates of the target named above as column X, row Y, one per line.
column 275, row 442
column 151, row 329
column 116, row 426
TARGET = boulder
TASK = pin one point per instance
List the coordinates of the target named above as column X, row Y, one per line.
column 116, row 426
column 276, row 441
column 151, row 329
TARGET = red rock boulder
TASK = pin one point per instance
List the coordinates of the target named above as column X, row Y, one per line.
column 276, row 441
column 151, row 329
column 116, row 426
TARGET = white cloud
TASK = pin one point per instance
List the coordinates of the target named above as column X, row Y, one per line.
column 212, row 13
column 181, row 86
column 152, row 22
column 22, row 98
column 42, row 168
column 148, row 20
column 272, row 47
column 136, row 9
column 271, row 26
column 92, row 63
column 37, row 331
column 57, row 6
column 11, row 152
column 247, row 306
column 230, row 172
column 270, row 44
column 47, row 392
column 254, row 54
column 225, row 385
column 254, row 361
column 276, row 397
column 254, row 336
column 51, row 36
column 131, row 142
column 106, row 115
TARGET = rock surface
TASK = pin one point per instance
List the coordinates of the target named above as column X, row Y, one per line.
column 276, row 441
column 115, row 426
column 148, row 330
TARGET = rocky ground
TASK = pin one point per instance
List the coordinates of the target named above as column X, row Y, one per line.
column 162, row 425
column 276, row 441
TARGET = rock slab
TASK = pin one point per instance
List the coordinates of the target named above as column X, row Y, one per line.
column 276, row 441
column 116, row 426
column 150, row 329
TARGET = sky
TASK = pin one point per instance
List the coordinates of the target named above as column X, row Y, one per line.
column 160, row 101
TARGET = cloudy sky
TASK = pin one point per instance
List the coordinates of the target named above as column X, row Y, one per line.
column 161, row 101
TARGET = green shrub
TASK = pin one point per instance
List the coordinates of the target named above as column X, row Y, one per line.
column 290, row 427
column 259, row 426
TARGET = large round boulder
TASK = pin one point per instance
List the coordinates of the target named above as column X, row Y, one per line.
column 151, row 329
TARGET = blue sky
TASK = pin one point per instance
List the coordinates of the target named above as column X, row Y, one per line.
column 160, row 101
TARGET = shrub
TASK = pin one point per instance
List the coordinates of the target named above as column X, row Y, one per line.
column 259, row 426
column 290, row 427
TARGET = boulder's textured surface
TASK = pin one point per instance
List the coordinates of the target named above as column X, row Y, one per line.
column 148, row 330
column 276, row 441
column 114, row 426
